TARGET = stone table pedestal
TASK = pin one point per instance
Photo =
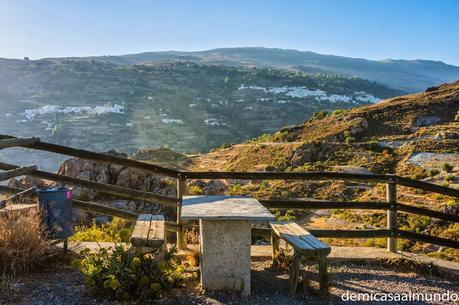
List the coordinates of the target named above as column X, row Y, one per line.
column 225, row 255
column 225, row 238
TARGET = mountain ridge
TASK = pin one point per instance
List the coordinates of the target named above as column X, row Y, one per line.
column 407, row 75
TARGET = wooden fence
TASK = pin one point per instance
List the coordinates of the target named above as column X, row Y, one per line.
column 390, row 205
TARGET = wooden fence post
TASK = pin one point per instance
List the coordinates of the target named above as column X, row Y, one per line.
column 391, row 196
column 181, row 190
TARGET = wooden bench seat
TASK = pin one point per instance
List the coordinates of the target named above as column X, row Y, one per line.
column 149, row 233
column 304, row 244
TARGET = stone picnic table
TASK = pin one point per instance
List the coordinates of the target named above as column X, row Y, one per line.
column 225, row 238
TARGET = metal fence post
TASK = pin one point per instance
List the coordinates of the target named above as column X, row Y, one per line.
column 181, row 190
column 391, row 197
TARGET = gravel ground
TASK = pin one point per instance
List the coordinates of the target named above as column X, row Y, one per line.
column 65, row 286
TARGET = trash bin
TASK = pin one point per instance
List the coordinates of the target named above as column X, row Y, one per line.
column 56, row 207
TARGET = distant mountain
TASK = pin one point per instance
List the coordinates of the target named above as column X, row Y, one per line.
column 406, row 75
column 186, row 106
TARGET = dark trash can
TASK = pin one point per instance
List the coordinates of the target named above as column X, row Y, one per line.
column 56, row 207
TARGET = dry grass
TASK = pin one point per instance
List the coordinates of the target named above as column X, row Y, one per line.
column 23, row 245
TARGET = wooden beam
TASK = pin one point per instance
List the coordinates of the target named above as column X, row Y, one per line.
column 19, row 171
column 85, row 154
column 391, row 197
column 426, row 212
column 426, row 186
column 83, row 205
column 428, row 239
column 15, row 142
column 103, row 209
column 317, row 176
column 351, row 233
column 110, row 189
column 17, row 197
column 322, row 204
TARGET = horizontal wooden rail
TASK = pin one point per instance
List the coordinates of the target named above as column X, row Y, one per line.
column 426, row 212
column 426, row 186
column 14, row 142
column 80, row 204
column 428, row 239
column 18, row 196
column 101, row 187
column 322, row 204
column 351, row 233
column 85, row 154
column 103, row 209
column 15, row 172
column 289, row 176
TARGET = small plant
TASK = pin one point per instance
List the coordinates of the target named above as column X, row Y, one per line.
column 195, row 190
column 374, row 145
column 338, row 112
column 319, row 115
column 449, row 178
column 432, row 172
column 236, row 189
column 126, row 276
column 349, row 140
column 118, row 230
column 456, row 117
column 447, row 167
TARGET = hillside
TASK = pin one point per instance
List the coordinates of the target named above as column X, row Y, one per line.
column 406, row 75
column 414, row 136
column 186, row 106
column 420, row 121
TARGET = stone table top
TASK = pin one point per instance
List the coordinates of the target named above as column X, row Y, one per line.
column 224, row 208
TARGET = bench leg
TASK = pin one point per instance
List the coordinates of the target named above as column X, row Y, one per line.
column 323, row 275
column 275, row 244
column 294, row 273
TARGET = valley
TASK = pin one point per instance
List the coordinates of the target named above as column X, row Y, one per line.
column 188, row 107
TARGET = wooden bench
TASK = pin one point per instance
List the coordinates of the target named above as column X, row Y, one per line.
column 304, row 244
column 149, row 234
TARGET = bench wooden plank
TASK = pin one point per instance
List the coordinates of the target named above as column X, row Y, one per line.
column 308, row 237
column 149, row 231
column 141, row 230
column 156, row 233
column 300, row 239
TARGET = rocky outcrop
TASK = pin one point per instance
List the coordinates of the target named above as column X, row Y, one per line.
column 309, row 152
column 210, row 187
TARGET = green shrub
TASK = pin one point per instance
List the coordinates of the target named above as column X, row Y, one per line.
column 349, row 140
column 236, row 189
column 449, row 178
column 432, row 172
column 124, row 275
column 195, row 190
column 456, row 117
column 318, row 115
column 338, row 112
column 118, row 230
column 374, row 145
column 447, row 167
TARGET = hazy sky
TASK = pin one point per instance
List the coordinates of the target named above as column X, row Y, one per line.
column 374, row 29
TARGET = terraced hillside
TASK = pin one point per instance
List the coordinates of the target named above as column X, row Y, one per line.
column 185, row 106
